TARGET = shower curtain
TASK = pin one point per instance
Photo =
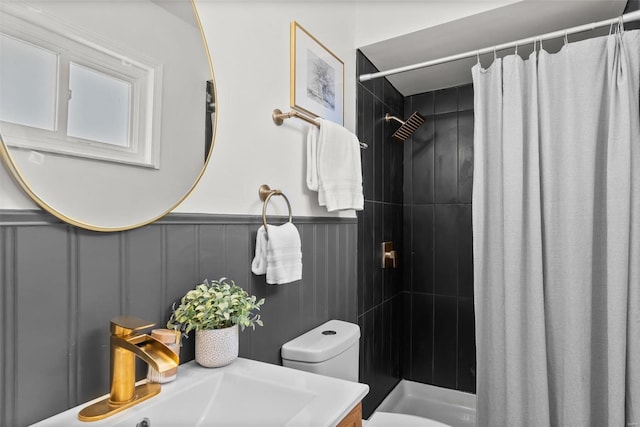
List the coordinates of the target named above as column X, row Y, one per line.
column 556, row 229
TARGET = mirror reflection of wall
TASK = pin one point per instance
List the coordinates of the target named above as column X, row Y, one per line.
column 101, row 106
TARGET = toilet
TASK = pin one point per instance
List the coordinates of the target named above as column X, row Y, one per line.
column 332, row 349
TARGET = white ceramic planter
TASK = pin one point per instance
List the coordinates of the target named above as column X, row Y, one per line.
column 217, row 347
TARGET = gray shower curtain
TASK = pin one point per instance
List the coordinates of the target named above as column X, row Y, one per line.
column 556, row 228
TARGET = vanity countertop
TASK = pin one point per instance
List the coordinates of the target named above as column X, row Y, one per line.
column 244, row 393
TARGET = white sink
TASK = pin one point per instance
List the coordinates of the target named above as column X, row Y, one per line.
column 214, row 401
column 244, row 393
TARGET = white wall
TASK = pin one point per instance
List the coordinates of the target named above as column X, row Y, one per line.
column 249, row 45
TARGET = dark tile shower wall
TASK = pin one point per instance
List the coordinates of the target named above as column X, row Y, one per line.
column 632, row 6
column 60, row 286
column 439, row 336
column 379, row 290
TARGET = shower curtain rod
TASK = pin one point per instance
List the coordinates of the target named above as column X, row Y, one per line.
column 632, row 16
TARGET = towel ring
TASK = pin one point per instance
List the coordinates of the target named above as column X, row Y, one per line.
column 265, row 192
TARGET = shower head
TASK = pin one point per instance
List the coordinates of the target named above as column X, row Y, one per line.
column 408, row 127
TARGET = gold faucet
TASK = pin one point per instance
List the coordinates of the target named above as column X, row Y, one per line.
column 125, row 345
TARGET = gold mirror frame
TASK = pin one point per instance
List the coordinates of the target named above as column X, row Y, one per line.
column 18, row 177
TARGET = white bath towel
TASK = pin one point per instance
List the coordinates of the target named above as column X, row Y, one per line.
column 278, row 254
column 312, row 155
column 334, row 168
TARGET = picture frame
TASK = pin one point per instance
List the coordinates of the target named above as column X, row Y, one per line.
column 317, row 77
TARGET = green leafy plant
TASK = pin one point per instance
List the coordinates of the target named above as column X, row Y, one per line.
column 216, row 305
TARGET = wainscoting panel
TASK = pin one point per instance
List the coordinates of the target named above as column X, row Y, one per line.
column 61, row 286
column 42, row 319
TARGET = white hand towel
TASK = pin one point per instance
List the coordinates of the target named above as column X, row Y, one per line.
column 259, row 263
column 284, row 254
column 339, row 168
column 278, row 254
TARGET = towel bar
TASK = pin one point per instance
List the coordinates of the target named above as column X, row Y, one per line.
column 265, row 192
column 279, row 117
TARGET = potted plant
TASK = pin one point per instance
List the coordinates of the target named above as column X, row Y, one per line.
column 214, row 310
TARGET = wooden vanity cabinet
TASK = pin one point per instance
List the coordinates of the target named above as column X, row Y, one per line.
column 353, row 418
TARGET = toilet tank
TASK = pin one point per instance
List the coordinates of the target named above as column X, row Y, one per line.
column 331, row 349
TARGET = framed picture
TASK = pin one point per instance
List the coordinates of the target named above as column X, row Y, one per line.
column 317, row 77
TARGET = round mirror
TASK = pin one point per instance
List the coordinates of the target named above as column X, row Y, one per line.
column 107, row 108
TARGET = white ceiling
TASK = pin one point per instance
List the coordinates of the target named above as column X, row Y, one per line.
column 515, row 21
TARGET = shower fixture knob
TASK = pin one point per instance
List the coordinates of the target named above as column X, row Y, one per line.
column 389, row 256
